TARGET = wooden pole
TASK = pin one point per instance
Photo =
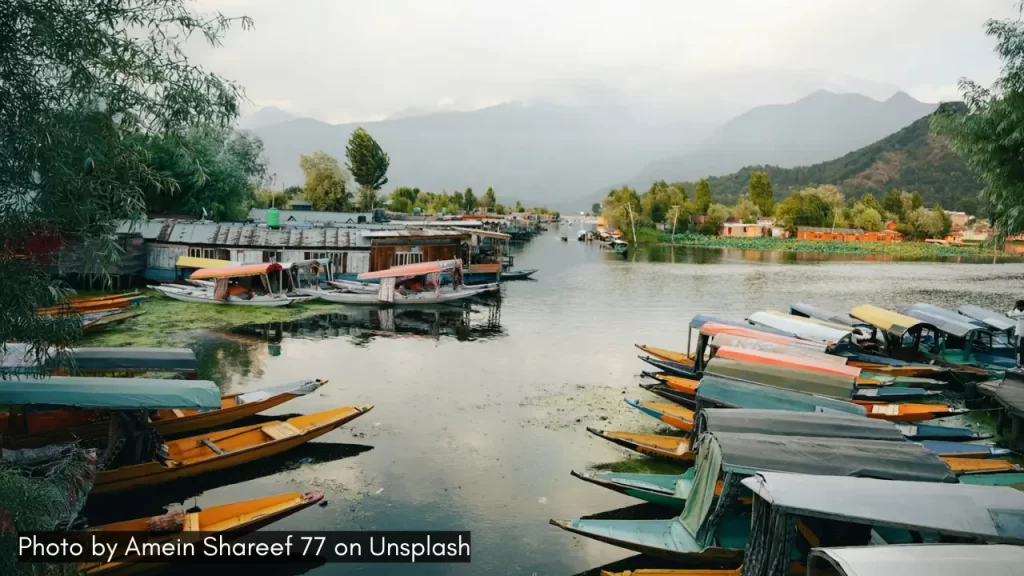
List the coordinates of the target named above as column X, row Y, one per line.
column 629, row 208
column 674, row 218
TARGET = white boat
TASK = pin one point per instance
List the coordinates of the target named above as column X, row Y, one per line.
column 385, row 293
column 353, row 286
column 223, row 277
column 410, row 299
column 186, row 294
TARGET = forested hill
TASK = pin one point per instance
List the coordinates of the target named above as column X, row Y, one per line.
column 912, row 159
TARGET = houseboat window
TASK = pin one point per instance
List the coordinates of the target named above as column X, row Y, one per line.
column 361, row 220
column 217, row 253
column 403, row 258
column 271, row 256
column 195, row 252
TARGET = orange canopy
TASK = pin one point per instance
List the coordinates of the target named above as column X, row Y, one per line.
column 775, row 359
column 713, row 328
column 411, row 269
column 235, row 271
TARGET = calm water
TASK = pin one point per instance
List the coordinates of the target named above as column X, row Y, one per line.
column 480, row 413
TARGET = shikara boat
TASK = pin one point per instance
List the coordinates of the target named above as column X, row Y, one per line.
column 518, row 274
column 230, row 521
column 229, row 286
column 386, row 295
column 122, row 361
column 670, row 394
column 716, row 529
column 220, row 450
column 671, row 414
column 94, row 304
column 823, row 314
column 803, row 328
column 675, row 448
column 960, row 340
column 944, row 559
column 996, row 321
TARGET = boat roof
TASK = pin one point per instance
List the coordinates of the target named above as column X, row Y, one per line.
column 305, row 263
column 887, row 320
column 945, row 320
column 994, row 320
column 236, row 271
column 787, row 360
column 754, row 332
column 112, row 393
column 733, row 393
column 786, row 377
column 199, row 263
column 803, row 329
column 994, row 513
column 17, row 358
column 413, row 269
column 700, row 320
column 836, row 456
column 807, row 320
column 812, row 311
column 920, row 560
column 787, row 423
column 489, row 234
column 719, row 341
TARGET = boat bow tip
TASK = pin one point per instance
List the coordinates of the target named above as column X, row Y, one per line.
column 312, row 497
column 595, row 431
column 563, row 524
column 365, row 408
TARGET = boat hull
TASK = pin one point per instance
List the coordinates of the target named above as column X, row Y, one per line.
column 203, row 297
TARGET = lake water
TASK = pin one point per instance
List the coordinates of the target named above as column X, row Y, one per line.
column 480, row 413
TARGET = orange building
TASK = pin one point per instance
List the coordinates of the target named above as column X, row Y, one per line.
column 847, row 235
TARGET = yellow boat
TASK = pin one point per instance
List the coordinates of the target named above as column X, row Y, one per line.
column 669, row 355
column 220, row 450
column 961, row 466
column 234, row 519
column 671, row 414
column 169, row 423
column 907, row 412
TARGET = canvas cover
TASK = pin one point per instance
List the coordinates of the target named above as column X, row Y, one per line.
column 724, row 392
column 831, row 385
column 994, row 320
column 812, row 311
column 112, row 393
column 885, row 320
column 945, row 320
column 918, row 560
column 128, row 358
column 804, row 330
column 787, row 423
column 700, row 320
column 735, row 341
column 235, row 271
column 819, row 364
column 992, row 513
column 750, row 331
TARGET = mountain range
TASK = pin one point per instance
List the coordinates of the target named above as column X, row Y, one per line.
column 567, row 157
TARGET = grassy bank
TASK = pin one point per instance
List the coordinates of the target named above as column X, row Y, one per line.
column 908, row 250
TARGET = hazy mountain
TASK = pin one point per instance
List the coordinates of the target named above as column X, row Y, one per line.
column 267, row 116
column 818, row 127
column 912, row 159
column 541, row 153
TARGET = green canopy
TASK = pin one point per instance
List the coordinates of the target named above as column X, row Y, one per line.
column 112, row 393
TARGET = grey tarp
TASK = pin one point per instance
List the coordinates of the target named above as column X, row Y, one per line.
column 994, row 320
column 724, row 392
column 918, row 560
column 748, row 453
column 1009, row 392
column 832, row 385
column 787, row 423
column 17, row 359
column 811, row 311
column 945, row 320
column 992, row 513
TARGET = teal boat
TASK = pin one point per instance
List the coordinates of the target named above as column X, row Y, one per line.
column 709, row 531
column 111, row 393
column 960, row 340
column 16, row 359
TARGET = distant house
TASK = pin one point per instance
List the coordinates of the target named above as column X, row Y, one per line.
column 847, row 235
column 958, row 219
column 740, row 229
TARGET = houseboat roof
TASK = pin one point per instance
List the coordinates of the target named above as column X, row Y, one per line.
column 489, row 234
column 236, row 271
column 945, row 320
column 198, row 263
column 112, row 393
column 989, row 512
column 313, row 216
column 242, row 235
column 994, row 320
column 416, row 233
column 917, row 560
column 413, row 269
column 887, row 320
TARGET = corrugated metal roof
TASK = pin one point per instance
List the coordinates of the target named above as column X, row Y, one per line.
column 233, row 234
column 414, row 233
column 260, row 215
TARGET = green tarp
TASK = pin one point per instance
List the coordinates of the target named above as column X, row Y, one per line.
column 112, row 393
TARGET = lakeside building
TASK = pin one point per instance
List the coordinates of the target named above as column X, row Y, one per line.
column 847, row 234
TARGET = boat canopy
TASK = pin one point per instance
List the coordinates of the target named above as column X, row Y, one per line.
column 308, row 263
column 200, row 263
column 700, row 320
column 803, row 329
column 236, row 271
column 789, row 361
column 17, row 358
column 750, row 453
column 823, row 314
column 917, row 560
column 945, row 320
column 994, row 320
column 992, row 513
column 805, row 319
column 724, row 392
column 112, row 393
column 787, row 423
column 887, row 320
column 786, row 377
column 413, row 269
column 728, row 340
column 753, row 332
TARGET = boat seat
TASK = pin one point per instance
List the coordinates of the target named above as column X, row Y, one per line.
column 178, row 413
column 281, row 430
column 206, row 442
column 885, row 409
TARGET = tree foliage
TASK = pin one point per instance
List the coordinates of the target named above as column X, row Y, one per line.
column 325, row 183
column 367, row 162
column 805, row 208
column 760, row 190
column 489, row 200
column 212, row 169
column 469, row 201
column 716, row 215
column 662, row 200
column 746, row 211
column 702, row 195
column 617, row 207
column 595, row 208
column 79, row 82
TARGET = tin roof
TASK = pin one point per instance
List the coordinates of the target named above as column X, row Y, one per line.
column 313, row 216
column 235, row 234
column 416, row 233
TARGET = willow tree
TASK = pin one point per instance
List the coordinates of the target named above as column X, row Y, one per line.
column 989, row 135
column 79, row 83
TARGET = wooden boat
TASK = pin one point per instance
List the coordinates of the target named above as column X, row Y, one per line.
column 204, row 296
column 230, row 520
column 220, row 450
column 412, row 299
column 962, row 341
column 386, row 295
column 674, row 448
column 666, row 392
column 355, row 286
column 669, row 355
column 101, row 322
column 229, row 289
column 908, row 412
column 518, row 274
column 671, row 414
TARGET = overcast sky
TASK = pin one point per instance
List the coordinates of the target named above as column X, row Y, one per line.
column 347, row 60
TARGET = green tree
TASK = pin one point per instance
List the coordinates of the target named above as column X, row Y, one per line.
column 702, row 196
column 325, row 182
column 947, row 222
column 367, row 199
column 458, row 201
column 805, row 208
column 367, row 162
column 519, row 207
column 405, row 197
column 988, row 136
column 595, row 208
column 759, row 187
column 500, row 209
column 869, row 200
column 925, row 223
column 893, row 204
column 469, row 202
column 916, row 201
column 400, row 204
column 489, row 201
column 867, row 218
column 716, row 215
column 79, row 82
column 968, row 205
column 746, row 211
column 618, row 205
column 213, row 168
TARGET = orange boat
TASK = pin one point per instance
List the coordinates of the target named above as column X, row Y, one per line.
column 671, row 414
column 907, row 412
